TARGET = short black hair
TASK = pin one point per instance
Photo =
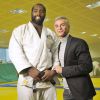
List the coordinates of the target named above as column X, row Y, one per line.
column 39, row 4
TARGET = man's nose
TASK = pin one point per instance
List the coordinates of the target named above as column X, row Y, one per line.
column 59, row 28
column 38, row 13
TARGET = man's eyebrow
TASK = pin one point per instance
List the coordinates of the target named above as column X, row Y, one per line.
column 35, row 9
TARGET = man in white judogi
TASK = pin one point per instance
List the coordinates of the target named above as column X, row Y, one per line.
column 32, row 49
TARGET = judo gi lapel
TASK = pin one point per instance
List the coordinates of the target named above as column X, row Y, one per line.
column 38, row 44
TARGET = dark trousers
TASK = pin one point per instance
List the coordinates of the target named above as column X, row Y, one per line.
column 67, row 95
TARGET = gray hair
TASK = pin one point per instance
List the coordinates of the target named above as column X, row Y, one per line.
column 62, row 17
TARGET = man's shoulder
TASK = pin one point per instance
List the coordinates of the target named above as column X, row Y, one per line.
column 49, row 30
column 78, row 39
column 19, row 30
column 22, row 26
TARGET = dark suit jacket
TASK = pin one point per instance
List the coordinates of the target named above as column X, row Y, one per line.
column 77, row 66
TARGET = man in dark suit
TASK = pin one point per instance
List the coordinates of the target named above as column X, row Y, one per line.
column 75, row 63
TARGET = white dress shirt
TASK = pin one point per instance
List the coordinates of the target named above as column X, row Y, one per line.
column 61, row 57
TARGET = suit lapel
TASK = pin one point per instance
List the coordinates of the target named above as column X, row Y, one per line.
column 67, row 49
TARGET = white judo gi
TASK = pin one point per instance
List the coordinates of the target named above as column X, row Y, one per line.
column 27, row 49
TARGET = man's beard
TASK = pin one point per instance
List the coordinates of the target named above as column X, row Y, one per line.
column 38, row 20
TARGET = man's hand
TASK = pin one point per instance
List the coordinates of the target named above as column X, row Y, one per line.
column 48, row 75
column 33, row 72
column 58, row 69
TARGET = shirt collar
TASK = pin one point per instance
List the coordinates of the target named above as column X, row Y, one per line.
column 64, row 39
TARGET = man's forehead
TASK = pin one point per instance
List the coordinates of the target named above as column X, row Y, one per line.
column 60, row 21
column 38, row 7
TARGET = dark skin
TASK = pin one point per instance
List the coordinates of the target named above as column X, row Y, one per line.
column 39, row 29
column 48, row 75
column 38, row 15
